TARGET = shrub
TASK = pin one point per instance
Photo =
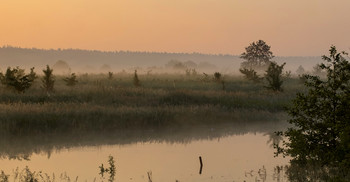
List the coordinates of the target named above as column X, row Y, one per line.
column 16, row 79
column 48, row 80
column 71, row 80
column 136, row 80
column 250, row 74
column 274, row 77
column 217, row 76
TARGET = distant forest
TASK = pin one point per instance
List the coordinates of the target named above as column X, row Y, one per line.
column 96, row 61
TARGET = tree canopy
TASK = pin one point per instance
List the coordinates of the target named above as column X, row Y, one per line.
column 257, row 55
column 321, row 119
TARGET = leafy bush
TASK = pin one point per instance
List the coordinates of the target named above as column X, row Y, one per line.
column 250, row 74
column 321, row 117
column 48, row 80
column 16, row 79
column 274, row 76
column 217, row 76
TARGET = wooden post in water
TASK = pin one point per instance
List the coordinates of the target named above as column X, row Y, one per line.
column 201, row 163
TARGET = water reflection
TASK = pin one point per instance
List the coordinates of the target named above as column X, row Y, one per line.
column 229, row 153
column 21, row 148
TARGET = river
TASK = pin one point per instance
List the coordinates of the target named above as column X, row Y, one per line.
column 229, row 153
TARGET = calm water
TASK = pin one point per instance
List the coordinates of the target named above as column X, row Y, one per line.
column 229, row 154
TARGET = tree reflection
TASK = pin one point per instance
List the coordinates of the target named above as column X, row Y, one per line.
column 274, row 139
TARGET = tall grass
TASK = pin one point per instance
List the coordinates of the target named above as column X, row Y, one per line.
column 97, row 103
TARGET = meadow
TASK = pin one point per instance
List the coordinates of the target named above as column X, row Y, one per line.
column 98, row 104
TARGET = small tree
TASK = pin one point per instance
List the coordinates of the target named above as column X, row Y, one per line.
column 274, row 76
column 257, row 56
column 321, row 117
column 16, row 79
column 71, row 80
column 217, row 76
column 250, row 74
column 48, row 80
column 136, row 80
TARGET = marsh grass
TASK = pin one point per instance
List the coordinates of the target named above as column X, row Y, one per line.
column 97, row 103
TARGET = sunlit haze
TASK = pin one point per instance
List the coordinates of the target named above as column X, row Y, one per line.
column 291, row 27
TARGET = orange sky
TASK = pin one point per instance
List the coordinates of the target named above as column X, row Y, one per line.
column 291, row 27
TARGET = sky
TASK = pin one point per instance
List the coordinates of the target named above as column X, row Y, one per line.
column 290, row 27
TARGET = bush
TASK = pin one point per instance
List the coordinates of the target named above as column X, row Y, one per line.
column 17, row 80
column 217, row 76
column 274, row 76
column 136, row 80
column 48, row 80
column 250, row 74
column 71, row 80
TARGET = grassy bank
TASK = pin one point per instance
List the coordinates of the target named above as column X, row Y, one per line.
column 97, row 103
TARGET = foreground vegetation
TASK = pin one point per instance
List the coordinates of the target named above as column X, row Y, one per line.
column 320, row 140
column 100, row 104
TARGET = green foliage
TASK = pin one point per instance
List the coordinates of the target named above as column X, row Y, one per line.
column 71, row 80
column 136, row 80
column 257, row 56
column 321, row 118
column 16, row 79
column 250, row 74
column 274, row 76
column 48, row 80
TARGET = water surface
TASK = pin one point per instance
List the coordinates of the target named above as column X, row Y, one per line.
column 229, row 153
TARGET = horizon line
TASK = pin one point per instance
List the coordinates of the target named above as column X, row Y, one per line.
column 129, row 51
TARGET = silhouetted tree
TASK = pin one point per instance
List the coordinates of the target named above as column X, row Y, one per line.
column 16, row 79
column 217, row 76
column 321, row 116
column 257, row 56
column 274, row 76
column 48, row 80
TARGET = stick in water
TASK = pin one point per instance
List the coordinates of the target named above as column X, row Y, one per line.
column 201, row 163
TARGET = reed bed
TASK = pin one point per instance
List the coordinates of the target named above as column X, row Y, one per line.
column 97, row 103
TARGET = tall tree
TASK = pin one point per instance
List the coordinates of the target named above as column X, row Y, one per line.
column 257, row 56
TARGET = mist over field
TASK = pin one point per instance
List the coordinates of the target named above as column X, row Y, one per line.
column 93, row 61
column 174, row 90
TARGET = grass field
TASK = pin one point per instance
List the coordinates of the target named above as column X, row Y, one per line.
column 100, row 104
